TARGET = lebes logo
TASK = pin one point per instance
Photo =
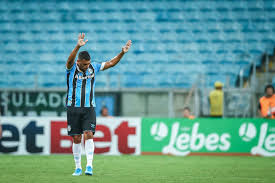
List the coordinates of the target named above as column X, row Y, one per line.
column 266, row 140
column 159, row 130
column 247, row 131
column 184, row 139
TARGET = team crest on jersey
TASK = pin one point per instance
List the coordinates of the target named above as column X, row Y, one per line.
column 90, row 71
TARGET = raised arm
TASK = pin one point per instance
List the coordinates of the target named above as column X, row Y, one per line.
column 117, row 58
column 80, row 42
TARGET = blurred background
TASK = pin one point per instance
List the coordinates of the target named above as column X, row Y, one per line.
column 180, row 50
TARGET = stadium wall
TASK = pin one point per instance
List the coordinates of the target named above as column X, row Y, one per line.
column 239, row 103
column 143, row 136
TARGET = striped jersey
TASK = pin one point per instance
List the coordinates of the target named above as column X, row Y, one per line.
column 80, row 85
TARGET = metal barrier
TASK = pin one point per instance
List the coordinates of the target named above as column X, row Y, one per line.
column 132, row 102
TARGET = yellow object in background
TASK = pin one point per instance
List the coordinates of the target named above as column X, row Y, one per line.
column 216, row 102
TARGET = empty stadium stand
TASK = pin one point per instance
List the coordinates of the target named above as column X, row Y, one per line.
column 175, row 43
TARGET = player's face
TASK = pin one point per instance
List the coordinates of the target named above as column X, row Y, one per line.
column 269, row 92
column 83, row 64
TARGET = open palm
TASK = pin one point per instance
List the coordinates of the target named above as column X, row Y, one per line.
column 81, row 41
column 127, row 46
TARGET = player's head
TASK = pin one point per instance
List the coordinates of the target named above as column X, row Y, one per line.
column 186, row 112
column 269, row 90
column 83, row 60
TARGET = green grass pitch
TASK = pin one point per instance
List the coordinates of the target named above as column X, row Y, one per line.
column 143, row 169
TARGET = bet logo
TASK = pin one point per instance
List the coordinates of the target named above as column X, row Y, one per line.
column 159, row 131
column 247, row 131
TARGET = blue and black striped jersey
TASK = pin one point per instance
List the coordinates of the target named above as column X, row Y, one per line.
column 80, row 85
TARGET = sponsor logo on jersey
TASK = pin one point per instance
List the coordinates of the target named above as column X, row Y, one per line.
column 84, row 77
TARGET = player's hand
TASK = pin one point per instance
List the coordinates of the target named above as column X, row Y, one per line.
column 81, row 41
column 127, row 46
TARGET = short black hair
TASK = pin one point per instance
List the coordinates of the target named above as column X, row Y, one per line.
column 269, row 86
column 84, row 55
column 103, row 107
column 187, row 108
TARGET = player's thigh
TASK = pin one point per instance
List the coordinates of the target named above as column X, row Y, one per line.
column 73, row 121
column 89, row 120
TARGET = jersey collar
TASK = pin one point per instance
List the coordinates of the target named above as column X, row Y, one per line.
column 79, row 69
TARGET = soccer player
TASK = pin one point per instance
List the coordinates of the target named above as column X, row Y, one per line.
column 81, row 117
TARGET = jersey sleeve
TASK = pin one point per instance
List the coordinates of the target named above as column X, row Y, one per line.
column 98, row 66
column 69, row 70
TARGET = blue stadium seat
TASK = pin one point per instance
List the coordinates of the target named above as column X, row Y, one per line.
column 173, row 42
